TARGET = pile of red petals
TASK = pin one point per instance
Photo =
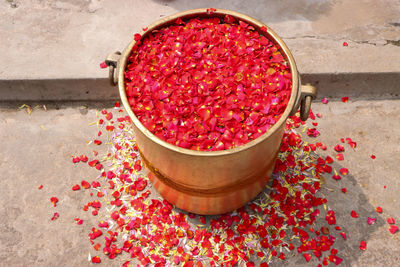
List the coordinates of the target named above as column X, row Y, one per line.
column 207, row 84
column 138, row 227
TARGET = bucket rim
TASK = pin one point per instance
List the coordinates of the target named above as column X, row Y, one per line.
column 205, row 12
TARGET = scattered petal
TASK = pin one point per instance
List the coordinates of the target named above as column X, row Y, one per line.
column 371, row 220
column 339, row 156
column 54, row 200
column 393, row 229
column 339, row 148
column 76, row 187
column 55, row 216
column 344, row 171
column 354, row 214
column 96, row 259
column 363, row 245
column 390, row 220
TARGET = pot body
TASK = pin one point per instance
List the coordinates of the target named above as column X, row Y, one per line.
column 216, row 182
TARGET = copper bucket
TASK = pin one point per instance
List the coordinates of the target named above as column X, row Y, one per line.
column 211, row 182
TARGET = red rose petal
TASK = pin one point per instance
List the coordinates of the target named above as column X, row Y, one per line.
column 390, row 220
column 371, row 220
column 343, row 234
column 393, row 229
column 55, row 216
column 363, row 245
column 96, row 259
column 345, row 99
column 137, row 36
column 54, row 200
column 85, row 184
column 76, row 187
column 324, row 100
column 354, row 214
column 345, row 44
column 339, row 148
column 103, row 65
column 307, row 256
column 379, row 209
column 339, row 156
column 97, row 142
column 344, row 171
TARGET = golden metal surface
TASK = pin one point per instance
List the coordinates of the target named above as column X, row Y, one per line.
column 112, row 62
column 308, row 93
column 234, row 176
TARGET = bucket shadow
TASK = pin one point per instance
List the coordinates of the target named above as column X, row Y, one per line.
column 356, row 229
column 264, row 10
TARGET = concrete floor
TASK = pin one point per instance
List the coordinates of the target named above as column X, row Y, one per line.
column 36, row 149
column 58, row 59
column 70, row 38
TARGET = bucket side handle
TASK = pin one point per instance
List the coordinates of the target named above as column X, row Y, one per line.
column 112, row 61
column 308, row 93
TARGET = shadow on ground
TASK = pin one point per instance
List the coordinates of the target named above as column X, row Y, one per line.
column 264, row 10
column 356, row 229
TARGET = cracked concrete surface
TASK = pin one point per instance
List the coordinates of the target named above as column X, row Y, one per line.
column 67, row 39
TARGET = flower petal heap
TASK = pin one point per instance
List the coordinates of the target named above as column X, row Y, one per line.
column 207, row 84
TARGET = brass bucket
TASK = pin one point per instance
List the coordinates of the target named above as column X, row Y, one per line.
column 211, row 182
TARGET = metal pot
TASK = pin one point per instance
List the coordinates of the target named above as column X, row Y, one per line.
column 211, row 182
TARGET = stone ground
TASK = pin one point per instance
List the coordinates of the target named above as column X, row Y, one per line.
column 69, row 38
column 51, row 50
column 37, row 149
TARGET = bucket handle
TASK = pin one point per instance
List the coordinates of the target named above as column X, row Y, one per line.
column 308, row 93
column 112, row 62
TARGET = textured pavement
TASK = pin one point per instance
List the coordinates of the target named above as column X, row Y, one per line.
column 37, row 149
